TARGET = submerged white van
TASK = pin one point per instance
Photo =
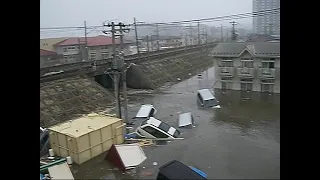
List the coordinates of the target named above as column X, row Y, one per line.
column 206, row 99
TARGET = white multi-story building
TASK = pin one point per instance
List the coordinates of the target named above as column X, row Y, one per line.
column 266, row 24
column 98, row 48
column 247, row 66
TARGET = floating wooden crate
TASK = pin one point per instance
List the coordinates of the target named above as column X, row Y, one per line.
column 86, row 137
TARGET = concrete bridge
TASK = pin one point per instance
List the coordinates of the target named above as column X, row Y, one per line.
column 81, row 68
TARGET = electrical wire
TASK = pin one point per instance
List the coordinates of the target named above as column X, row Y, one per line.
column 219, row 18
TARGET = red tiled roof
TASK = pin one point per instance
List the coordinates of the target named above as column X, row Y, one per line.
column 100, row 40
column 47, row 53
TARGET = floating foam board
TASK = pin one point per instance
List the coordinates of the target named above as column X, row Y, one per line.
column 126, row 156
column 61, row 171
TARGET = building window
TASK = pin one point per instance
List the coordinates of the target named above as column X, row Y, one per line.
column 246, row 86
column 104, row 55
column 103, row 48
column 65, row 49
column 268, row 64
column 266, row 87
column 71, row 48
column 227, row 63
column 225, row 85
column 247, row 63
column 267, row 81
column 92, row 55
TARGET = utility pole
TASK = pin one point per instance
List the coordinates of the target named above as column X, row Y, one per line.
column 79, row 46
column 233, row 33
column 136, row 34
column 212, row 33
column 86, row 41
column 158, row 45
column 118, row 67
column 221, row 33
column 151, row 43
column 115, row 73
column 206, row 36
column 124, row 77
column 148, row 49
column 270, row 29
column 188, row 35
column 199, row 42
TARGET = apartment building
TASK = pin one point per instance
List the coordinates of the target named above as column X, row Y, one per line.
column 266, row 24
column 97, row 48
column 247, row 66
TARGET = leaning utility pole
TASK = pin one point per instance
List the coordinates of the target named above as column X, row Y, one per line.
column 118, row 68
column 233, row 33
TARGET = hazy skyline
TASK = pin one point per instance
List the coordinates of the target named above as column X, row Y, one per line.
column 66, row 13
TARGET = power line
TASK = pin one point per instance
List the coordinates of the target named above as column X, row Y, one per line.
column 245, row 15
column 219, row 18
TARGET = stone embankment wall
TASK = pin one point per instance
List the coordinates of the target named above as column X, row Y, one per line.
column 153, row 74
column 69, row 98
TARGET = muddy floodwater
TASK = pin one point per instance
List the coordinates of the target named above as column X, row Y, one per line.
column 240, row 140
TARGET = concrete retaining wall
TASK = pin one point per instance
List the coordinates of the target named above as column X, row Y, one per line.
column 153, row 74
column 70, row 98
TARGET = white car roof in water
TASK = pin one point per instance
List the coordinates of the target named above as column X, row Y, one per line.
column 154, row 121
column 185, row 119
column 144, row 111
column 206, row 94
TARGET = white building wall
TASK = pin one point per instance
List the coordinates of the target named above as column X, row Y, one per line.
column 257, row 63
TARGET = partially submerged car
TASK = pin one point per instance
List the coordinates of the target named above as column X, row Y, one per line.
column 206, row 99
column 153, row 128
column 145, row 111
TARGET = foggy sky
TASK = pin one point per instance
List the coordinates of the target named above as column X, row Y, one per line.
column 57, row 13
column 74, row 12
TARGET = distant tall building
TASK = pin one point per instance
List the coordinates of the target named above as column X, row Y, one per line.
column 267, row 24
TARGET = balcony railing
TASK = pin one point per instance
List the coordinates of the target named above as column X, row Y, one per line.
column 267, row 72
column 226, row 71
column 245, row 72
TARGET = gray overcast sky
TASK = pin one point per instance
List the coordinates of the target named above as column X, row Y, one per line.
column 54, row 13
